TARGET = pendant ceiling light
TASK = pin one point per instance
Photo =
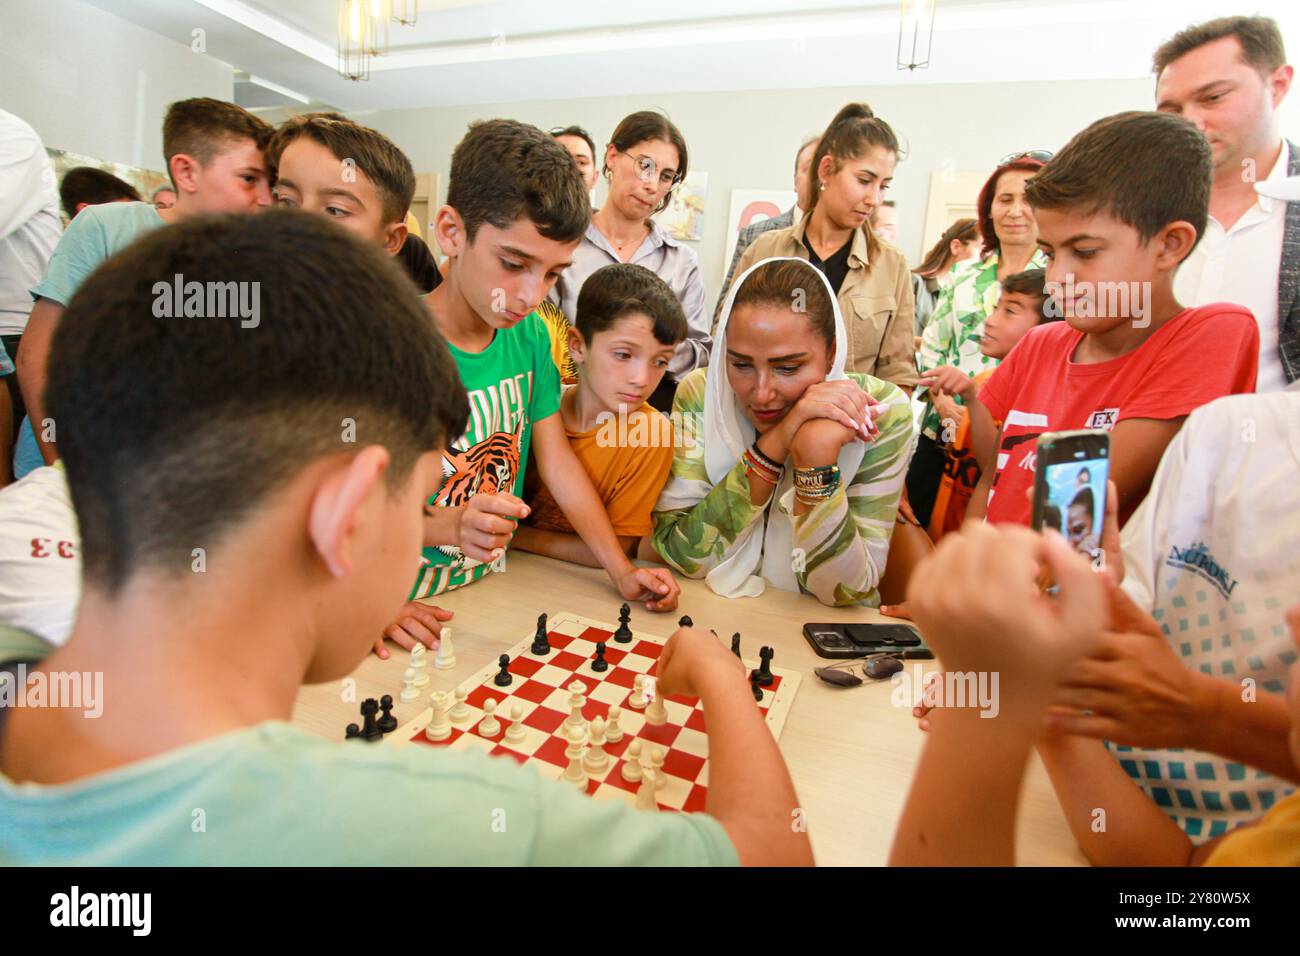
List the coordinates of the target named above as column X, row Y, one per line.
column 354, row 39
column 915, row 34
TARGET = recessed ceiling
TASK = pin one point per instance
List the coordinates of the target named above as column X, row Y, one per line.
column 488, row 51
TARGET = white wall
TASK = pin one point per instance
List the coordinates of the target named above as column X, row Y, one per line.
column 748, row 140
column 93, row 83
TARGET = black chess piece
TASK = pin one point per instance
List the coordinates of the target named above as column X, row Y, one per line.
column 387, row 723
column 685, row 621
column 370, row 728
column 504, row 678
column 599, row 663
column 352, row 731
column 765, row 666
column 735, row 644
column 754, row 686
column 624, row 633
column 541, row 640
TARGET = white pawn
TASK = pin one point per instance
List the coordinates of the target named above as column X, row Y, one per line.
column 515, row 732
column 574, row 772
column 657, row 760
column 614, row 733
column 460, row 711
column 632, row 763
column 408, row 685
column 439, row 727
column 638, row 698
column 596, row 761
column 645, row 795
column 656, row 714
column 489, row 726
column 418, row 664
column 446, row 658
column 577, row 700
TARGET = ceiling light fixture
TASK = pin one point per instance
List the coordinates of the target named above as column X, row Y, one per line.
column 915, row 34
column 354, row 39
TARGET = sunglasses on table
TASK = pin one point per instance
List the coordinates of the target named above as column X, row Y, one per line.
column 874, row 666
column 1042, row 155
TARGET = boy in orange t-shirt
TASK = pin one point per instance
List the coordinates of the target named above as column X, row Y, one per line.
column 1021, row 306
column 628, row 325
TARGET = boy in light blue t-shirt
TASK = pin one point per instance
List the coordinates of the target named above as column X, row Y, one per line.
column 214, row 153
column 308, row 543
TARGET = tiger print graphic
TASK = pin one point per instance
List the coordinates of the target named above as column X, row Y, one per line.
column 485, row 468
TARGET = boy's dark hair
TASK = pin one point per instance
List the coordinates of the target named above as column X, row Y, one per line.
column 647, row 124
column 504, row 171
column 620, row 289
column 1147, row 169
column 1085, row 498
column 579, row 132
column 94, row 186
column 175, row 429
column 202, row 127
column 1260, row 39
column 785, row 282
column 1033, row 283
column 373, row 153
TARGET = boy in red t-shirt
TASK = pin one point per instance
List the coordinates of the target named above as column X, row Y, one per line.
column 1118, row 209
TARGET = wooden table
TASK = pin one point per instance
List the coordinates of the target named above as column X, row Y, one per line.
column 850, row 751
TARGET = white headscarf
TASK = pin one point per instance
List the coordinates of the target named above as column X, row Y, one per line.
column 764, row 552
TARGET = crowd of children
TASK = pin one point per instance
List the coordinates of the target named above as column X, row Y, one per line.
column 513, row 399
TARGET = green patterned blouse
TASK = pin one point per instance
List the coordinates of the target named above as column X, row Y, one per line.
column 953, row 335
column 840, row 544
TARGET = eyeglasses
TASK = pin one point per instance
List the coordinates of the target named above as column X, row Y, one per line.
column 874, row 666
column 1042, row 155
column 646, row 170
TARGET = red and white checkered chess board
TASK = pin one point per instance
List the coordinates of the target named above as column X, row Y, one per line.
column 540, row 689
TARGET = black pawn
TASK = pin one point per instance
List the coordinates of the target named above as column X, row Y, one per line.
column 624, row 633
column 387, row 723
column 541, row 642
column 504, row 678
column 352, row 731
column 599, row 663
column 370, row 728
column 735, row 644
column 764, row 671
column 754, row 686
column 685, row 621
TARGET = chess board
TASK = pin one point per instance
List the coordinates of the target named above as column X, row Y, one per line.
column 540, row 688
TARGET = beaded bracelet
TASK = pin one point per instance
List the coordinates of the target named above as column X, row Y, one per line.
column 774, row 466
column 759, row 468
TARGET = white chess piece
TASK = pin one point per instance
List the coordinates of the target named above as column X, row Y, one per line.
column 657, row 756
column 489, row 726
column 645, row 794
column 577, row 700
column 574, row 772
column 596, row 761
column 656, row 714
column 515, row 732
column 439, row 727
column 638, row 698
column 614, row 733
column 408, row 685
column 460, row 711
column 446, row 658
column 418, row 664
column 632, row 761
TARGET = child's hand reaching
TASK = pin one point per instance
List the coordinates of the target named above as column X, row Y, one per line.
column 417, row 623
column 949, row 381
column 978, row 605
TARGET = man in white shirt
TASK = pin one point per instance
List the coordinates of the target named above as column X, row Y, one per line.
column 29, row 230
column 1229, row 77
column 40, row 555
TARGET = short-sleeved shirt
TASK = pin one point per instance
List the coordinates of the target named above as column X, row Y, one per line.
column 40, row 555
column 628, row 459
column 1274, row 842
column 273, row 794
column 1193, row 358
column 512, row 384
column 95, row 234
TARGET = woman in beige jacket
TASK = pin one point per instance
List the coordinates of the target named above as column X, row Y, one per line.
column 853, row 166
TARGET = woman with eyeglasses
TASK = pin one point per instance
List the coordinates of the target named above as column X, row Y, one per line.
column 644, row 162
column 952, row 337
column 851, row 170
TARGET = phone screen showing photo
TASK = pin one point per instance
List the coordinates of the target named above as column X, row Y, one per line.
column 1076, row 502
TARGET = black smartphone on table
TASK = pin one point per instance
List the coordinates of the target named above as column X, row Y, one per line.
column 1070, row 487
column 845, row 640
